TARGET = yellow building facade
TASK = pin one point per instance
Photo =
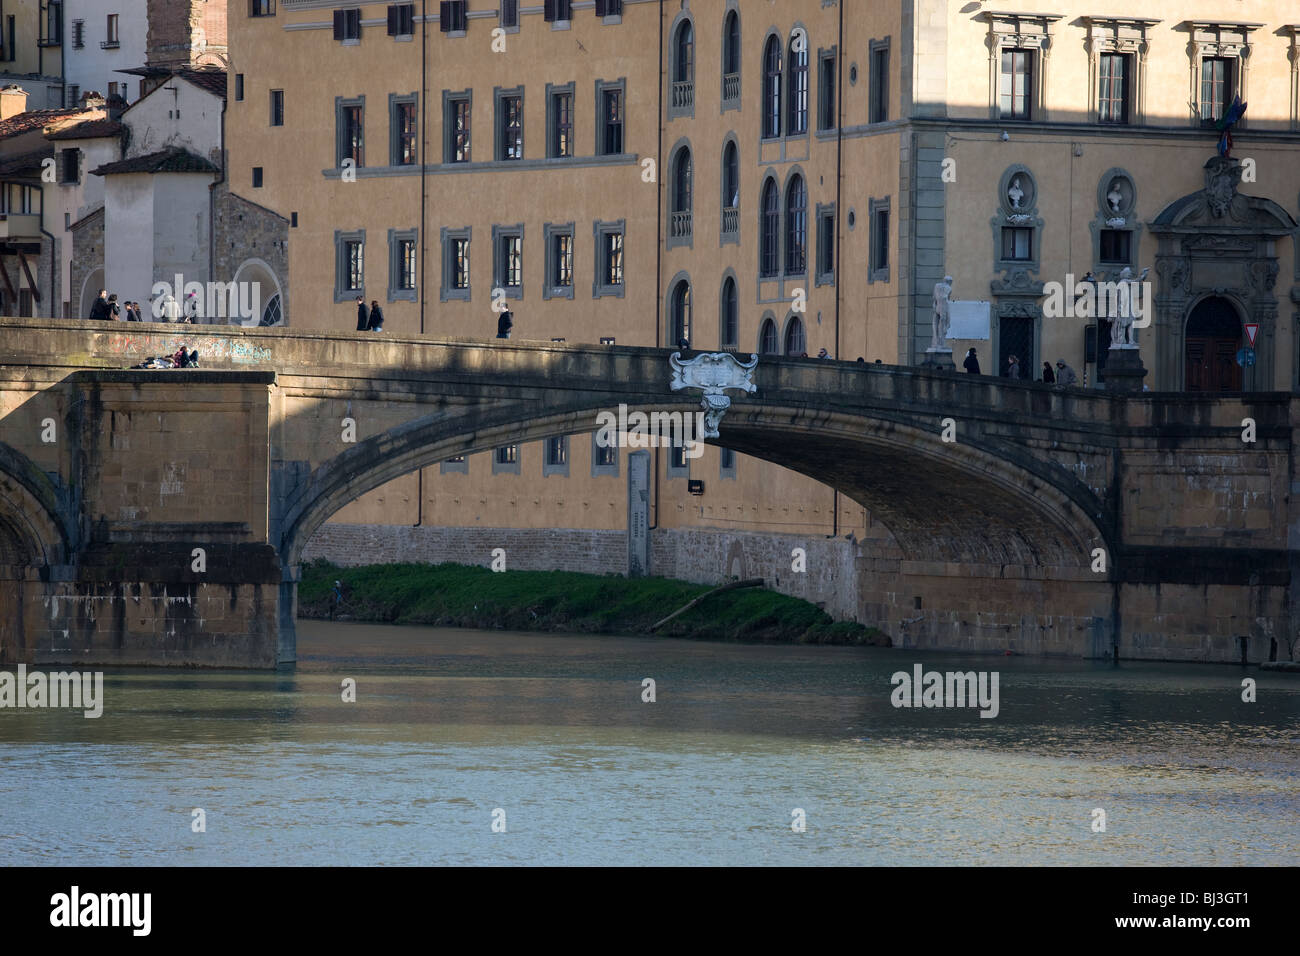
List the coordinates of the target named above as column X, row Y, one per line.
column 778, row 178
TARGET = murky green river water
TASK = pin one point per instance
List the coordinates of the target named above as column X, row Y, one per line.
column 549, row 736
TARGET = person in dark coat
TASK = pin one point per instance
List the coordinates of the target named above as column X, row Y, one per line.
column 1065, row 375
column 972, row 364
column 114, row 310
column 99, row 308
column 505, row 324
column 376, row 317
column 363, row 317
column 1048, row 375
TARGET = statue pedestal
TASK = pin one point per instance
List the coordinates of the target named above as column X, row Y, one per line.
column 1124, row 370
column 939, row 359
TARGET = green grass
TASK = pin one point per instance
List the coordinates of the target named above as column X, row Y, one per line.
column 457, row 595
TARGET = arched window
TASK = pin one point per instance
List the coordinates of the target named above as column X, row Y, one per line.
column 730, row 176
column 730, row 318
column 680, row 325
column 798, row 119
column 771, row 230
column 684, row 69
column 794, row 341
column 767, row 338
column 731, row 46
column 680, row 225
column 772, row 88
column 796, row 227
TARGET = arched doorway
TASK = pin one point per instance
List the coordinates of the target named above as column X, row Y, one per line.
column 1212, row 339
column 90, row 287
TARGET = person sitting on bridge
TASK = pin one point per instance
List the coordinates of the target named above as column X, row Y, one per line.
column 1064, row 374
column 182, row 358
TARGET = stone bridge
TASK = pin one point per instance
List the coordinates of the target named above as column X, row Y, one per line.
column 159, row 517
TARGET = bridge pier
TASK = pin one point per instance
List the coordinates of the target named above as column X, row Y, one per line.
column 286, row 646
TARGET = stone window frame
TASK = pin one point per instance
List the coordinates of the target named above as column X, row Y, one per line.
column 726, row 472
column 832, row 54
column 724, row 237
column 552, row 90
column 876, row 272
column 772, row 33
column 559, row 468
column 787, row 84
column 674, row 471
column 395, row 127
column 733, row 6
column 670, row 197
column 599, row 230
column 685, row 15
column 501, row 17
column 1127, row 35
column 549, row 232
column 499, row 93
column 793, row 319
column 1105, row 219
column 791, row 173
column 447, row 293
column 395, row 239
column 499, row 233
column 724, row 346
column 508, row 467
column 768, row 316
column 1020, row 31
column 340, row 104
column 603, row 87
column 341, row 238
column 450, row 467
column 449, row 99
column 598, row 470
column 1219, row 38
column 1024, row 218
column 681, row 276
column 271, row 104
column 873, row 47
column 825, row 211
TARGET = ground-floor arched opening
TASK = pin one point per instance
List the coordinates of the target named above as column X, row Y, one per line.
column 1212, row 339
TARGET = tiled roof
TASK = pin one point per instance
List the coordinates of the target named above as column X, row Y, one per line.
column 90, row 129
column 29, row 162
column 173, row 160
column 214, row 81
column 31, row 120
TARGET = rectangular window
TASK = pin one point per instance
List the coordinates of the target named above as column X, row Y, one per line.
column 110, row 32
column 455, row 264
column 405, row 141
column 879, row 83
column 510, row 14
column 604, row 455
column 1112, row 88
column 508, row 268
column 826, row 92
column 406, row 270
column 74, row 96
column 510, row 126
column 239, row 87
column 1015, row 84
column 347, row 26
column 562, row 262
column 261, row 8
column 611, row 120
column 401, row 19
column 561, row 124
column 257, row 177
column 553, row 10
column 1017, row 243
column 679, row 465
column 878, row 266
column 71, row 166
column 277, row 107
column 78, row 34
column 557, row 452
column 403, row 265
column 351, row 135
column 452, row 15
column 726, row 463
column 53, row 24
column 457, row 123
column 826, row 247
column 609, row 8
column 611, row 259
column 1115, row 245
column 351, row 272
column 1216, row 88
column 507, row 455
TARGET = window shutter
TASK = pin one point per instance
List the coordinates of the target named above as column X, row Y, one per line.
column 338, row 24
column 548, row 11
column 444, row 16
column 394, row 20
column 602, row 8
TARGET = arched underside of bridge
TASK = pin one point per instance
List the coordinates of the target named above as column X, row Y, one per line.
column 950, row 502
column 31, row 536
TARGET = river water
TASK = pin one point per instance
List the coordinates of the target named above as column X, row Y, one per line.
column 549, row 736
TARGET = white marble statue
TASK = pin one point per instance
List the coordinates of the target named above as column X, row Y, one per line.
column 1114, row 197
column 942, row 291
column 1126, row 302
column 1015, row 193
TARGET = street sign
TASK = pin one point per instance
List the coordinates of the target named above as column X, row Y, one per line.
column 1252, row 330
column 1246, row 357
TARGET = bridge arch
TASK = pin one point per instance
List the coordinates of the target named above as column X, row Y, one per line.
column 974, row 501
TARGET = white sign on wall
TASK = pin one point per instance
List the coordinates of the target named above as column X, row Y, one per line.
column 968, row 319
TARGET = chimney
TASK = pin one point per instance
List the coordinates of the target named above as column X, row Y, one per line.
column 91, row 99
column 13, row 100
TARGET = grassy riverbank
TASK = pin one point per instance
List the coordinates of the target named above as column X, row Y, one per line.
column 456, row 595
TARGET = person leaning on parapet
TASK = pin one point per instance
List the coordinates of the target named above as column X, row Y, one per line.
column 1048, row 375
column 1064, row 374
column 363, row 317
column 972, row 364
column 504, row 324
column 99, row 308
